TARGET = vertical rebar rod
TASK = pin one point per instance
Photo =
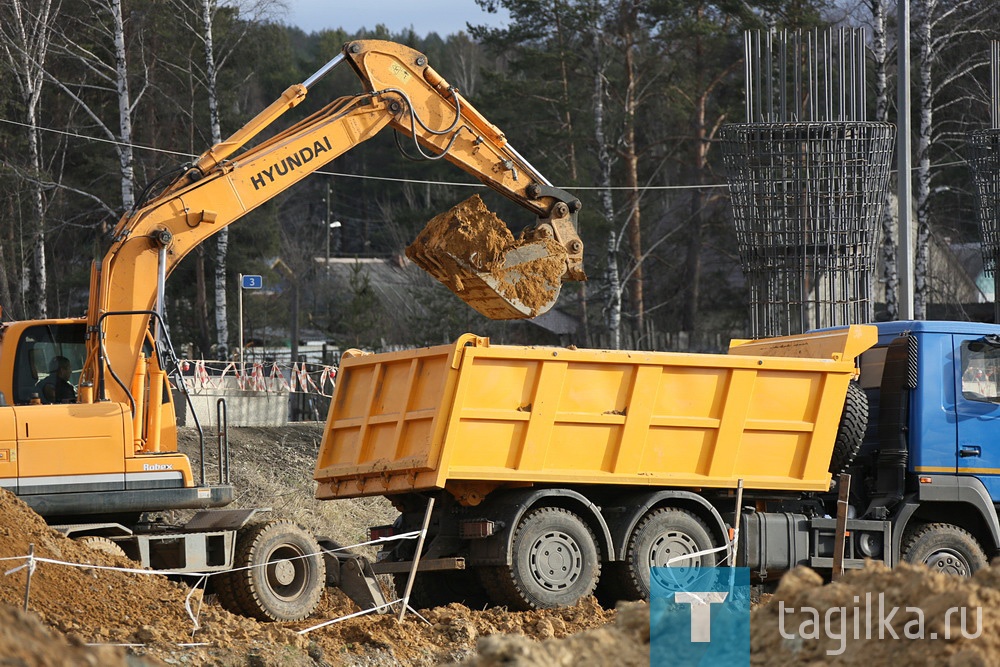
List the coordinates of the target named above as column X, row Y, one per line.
column 747, row 76
column 995, row 84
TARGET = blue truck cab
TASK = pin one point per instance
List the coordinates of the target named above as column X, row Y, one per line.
column 920, row 439
column 930, row 460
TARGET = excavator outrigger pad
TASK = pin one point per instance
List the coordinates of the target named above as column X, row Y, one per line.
column 475, row 255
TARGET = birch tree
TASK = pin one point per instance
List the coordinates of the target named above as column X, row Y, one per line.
column 613, row 290
column 880, row 58
column 199, row 20
column 939, row 28
column 25, row 37
column 98, row 43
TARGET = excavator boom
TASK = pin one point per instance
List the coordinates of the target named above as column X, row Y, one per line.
column 468, row 249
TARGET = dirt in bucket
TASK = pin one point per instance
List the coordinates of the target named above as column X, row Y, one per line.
column 471, row 251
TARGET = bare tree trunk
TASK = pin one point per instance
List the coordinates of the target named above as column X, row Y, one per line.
column 199, row 18
column 25, row 36
column 631, row 157
column 201, row 304
column 567, row 114
column 613, row 298
column 125, row 156
column 692, row 291
column 208, row 8
column 880, row 56
column 108, row 72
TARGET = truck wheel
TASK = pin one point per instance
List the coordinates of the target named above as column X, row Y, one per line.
column 436, row 589
column 554, row 562
column 661, row 535
column 944, row 548
column 851, row 432
column 103, row 544
column 278, row 573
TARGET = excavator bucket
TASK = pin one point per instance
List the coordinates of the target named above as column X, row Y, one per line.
column 471, row 251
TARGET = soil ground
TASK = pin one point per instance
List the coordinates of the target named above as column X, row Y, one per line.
column 90, row 616
column 138, row 619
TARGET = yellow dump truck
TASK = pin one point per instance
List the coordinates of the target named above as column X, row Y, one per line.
column 556, row 469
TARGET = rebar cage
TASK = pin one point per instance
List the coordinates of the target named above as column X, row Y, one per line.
column 984, row 159
column 807, row 199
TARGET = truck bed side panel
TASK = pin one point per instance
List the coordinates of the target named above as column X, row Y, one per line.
column 475, row 413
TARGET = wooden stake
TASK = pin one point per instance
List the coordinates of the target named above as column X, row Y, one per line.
column 416, row 557
column 31, row 569
column 843, row 494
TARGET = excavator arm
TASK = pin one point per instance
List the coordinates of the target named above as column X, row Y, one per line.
column 515, row 279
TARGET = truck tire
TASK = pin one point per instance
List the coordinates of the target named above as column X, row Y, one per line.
column 436, row 589
column 102, row 544
column 661, row 535
column 278, row 573
column 851, row 432
column 944, row 548
column 554, row 562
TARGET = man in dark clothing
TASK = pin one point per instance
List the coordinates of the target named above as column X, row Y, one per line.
column 56, row 387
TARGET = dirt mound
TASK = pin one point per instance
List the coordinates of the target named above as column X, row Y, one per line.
column 876, row 616
column 147, row 612
column 111, row 607
column 624, row 643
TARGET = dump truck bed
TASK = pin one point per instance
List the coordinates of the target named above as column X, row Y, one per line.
column 472, row 417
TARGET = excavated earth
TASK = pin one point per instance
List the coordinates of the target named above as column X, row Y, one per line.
column 138, row 619
column 91, row 616
column 469, row 239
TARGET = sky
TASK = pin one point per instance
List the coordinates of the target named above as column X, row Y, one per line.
column 444, row 17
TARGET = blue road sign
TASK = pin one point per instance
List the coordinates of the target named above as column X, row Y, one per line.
column 252, row 282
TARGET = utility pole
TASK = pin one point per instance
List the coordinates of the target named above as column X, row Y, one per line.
column 328, row 226
column 904, row 249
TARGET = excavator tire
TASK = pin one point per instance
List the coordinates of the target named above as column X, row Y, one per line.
column 278, row 573
column 102, row 544
column 851, row 432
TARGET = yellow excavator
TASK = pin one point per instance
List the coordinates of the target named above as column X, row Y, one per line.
column 96, row 458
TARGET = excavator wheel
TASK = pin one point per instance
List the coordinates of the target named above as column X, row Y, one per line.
column 102, row 544
column 278, row 573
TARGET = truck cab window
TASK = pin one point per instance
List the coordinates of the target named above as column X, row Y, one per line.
column 40, row 352
column 981, row 371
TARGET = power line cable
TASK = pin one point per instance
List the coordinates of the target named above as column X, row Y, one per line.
column 409, row 180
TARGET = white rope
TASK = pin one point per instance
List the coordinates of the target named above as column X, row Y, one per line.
column 193, row 614
column 344, row 618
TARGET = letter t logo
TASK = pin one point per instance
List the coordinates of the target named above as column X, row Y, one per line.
column 701, row 612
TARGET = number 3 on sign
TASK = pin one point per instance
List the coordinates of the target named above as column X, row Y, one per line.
column 252, row 282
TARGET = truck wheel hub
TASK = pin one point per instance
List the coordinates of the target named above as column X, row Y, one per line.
column 284, row 572
column 670, row 545
column 949, row 562
column 555, row 560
